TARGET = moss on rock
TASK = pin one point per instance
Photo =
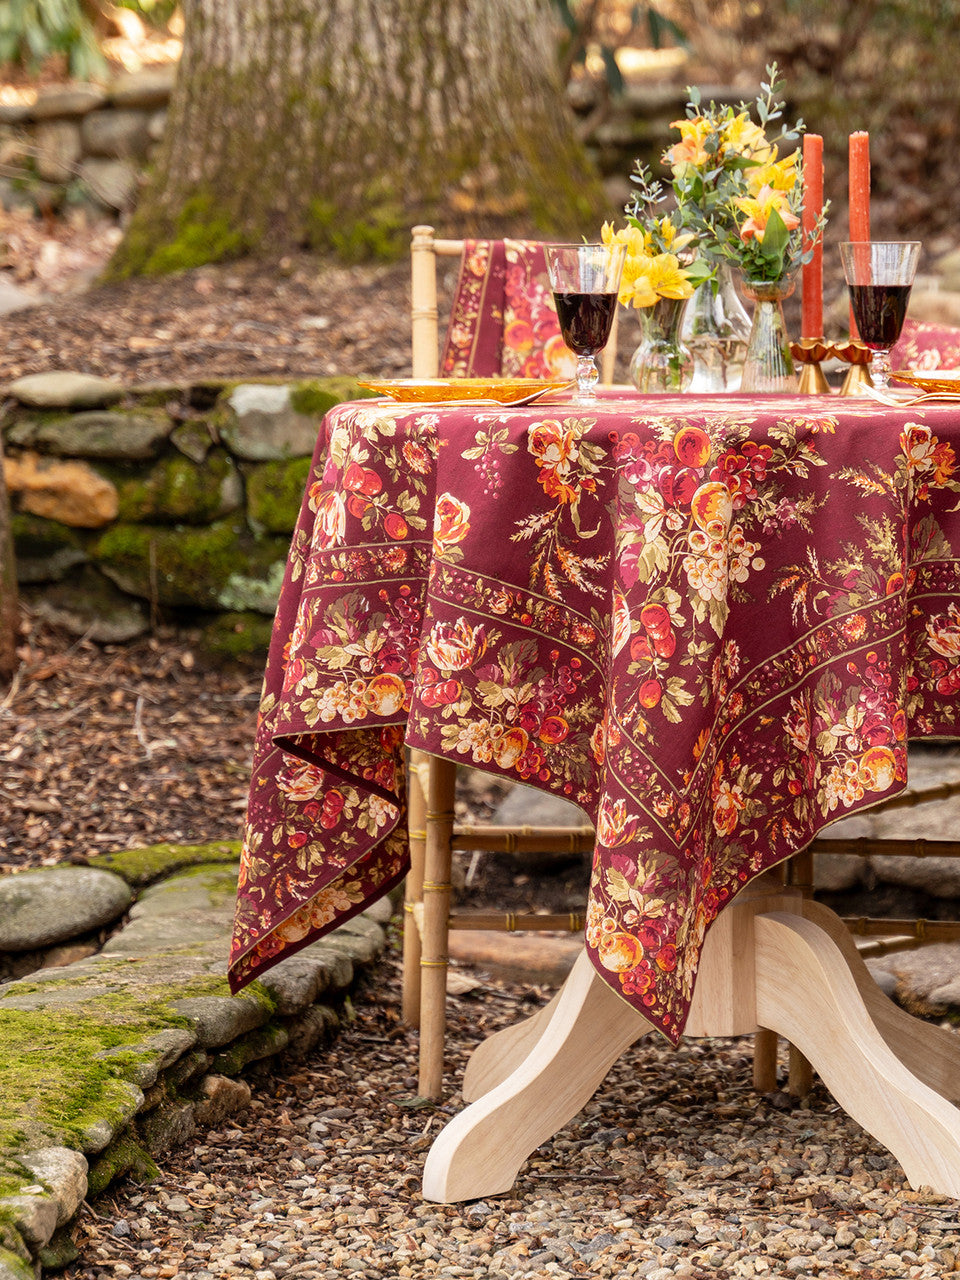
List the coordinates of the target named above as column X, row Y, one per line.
column 264, row 1042
column 179, row 489
column 220, row 882
column 37, row 536
column 15, row 1266
column 45, row 550
column 123, row 1158
column 59, row 1093
column 198, row 567
column 274, row 494
column 59, row 1251
column 139, row 867
column 243, row 591
column 319, row 395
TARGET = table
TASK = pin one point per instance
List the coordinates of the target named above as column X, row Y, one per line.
column 712, row 622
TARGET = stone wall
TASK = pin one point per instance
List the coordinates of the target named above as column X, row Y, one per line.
column 144, row 1045
column 88, row 145
column 170, row 504
column 83, row 145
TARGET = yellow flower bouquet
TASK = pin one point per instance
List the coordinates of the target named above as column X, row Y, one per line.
column 741, row 200
column 652, row 268
column 657, row 281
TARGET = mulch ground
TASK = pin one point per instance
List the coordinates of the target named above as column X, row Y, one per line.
column 294, row 318
column 113, row 747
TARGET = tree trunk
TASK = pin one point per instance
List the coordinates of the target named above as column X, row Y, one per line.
column 339, row 124
column 8, row 586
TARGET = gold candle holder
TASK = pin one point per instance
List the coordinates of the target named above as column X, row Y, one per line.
column 857, row 356
column 809, row 352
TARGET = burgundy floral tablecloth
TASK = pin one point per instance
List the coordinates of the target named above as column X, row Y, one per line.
column 712, row 623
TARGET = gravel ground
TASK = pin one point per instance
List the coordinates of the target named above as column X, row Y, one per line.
column 676, row 1168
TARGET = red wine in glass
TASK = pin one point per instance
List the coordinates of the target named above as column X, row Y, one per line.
column 879, row 275
column 586, row 320
column 879, row 310
column 585, row 280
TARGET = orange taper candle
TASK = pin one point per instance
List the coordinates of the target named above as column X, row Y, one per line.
column 860, row 186
column 812, row 289
column 859, row 196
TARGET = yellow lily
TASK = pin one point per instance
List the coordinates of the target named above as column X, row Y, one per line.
column 690, row 149
column 631, row 236
column 747, row 139
column 779, row 175
column 758, row 209
column 669, row 236
column 651, row 278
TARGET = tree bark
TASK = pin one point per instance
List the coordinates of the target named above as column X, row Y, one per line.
column 9, row 605
column 339, row 124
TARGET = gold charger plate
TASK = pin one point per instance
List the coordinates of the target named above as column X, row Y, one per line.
column 499, row 390
column 944, row 380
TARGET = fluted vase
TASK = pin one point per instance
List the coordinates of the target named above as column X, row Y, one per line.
column 768, row 365
column 715, row 331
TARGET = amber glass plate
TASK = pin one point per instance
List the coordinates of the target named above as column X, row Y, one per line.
column 433, row 390
column 944, row 380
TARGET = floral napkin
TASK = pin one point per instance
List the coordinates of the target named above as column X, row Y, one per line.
column 503, row 321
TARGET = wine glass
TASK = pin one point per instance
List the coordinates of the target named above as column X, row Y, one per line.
column 879, row 275
column 585, row 279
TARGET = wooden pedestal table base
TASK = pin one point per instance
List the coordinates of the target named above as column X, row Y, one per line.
column 773, row 960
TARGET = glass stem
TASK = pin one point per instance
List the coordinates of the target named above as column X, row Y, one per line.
column 587, row 378
column 880, row 369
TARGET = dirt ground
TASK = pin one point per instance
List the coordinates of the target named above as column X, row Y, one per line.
column 298, row 316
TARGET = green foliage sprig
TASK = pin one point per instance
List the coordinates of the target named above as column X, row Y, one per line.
column 739, row 198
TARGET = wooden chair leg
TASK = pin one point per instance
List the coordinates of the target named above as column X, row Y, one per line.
column 800, row 1074
column 441, row 783
column 765, row 1060
column 413, row 886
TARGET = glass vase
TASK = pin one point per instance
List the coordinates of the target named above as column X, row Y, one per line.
column 715, row 331
column 768, row 364
column 661, row 362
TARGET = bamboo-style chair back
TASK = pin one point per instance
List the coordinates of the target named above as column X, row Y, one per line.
column 425, row 249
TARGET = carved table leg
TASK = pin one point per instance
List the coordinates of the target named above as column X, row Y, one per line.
column 480, row 1151
column 501, row 1053
column 806, row 992
column 930, row 1052
column 771, row 961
